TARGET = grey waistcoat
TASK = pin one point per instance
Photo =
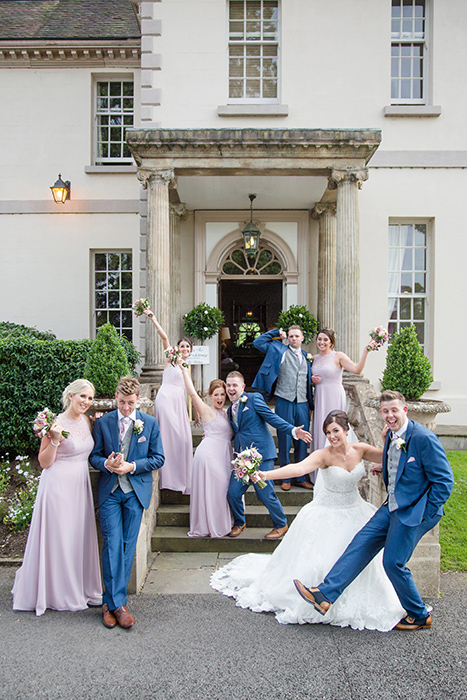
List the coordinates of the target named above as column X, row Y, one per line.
column 291, row 382
column 392, row 464
column 123, row 480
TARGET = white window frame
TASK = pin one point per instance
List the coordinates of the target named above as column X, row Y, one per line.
column 407, row 39
column 395, row 268
column 108, row 161
column 261, row 43
column 94, row 289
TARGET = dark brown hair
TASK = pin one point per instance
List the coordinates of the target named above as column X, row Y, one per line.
column 339, row 417
column 331, row 335
column 187, row 340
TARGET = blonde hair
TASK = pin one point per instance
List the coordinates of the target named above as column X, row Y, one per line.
column 74, row 388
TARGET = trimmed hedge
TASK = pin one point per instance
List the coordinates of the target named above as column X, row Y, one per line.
column 106, row 362
column 33, row 374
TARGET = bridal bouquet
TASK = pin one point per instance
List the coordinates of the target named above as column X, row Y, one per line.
column 248, row 462
column 173, row 356
column 380, row 336
column 43, row 422
column 140, row 305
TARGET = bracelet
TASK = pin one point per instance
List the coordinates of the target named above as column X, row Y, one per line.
column 52, row 443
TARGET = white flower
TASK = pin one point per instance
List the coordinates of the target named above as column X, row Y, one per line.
column 400, row 444
column 206, row 312
column 301, row 315
column 244, row 399
column 138, row 426
column 309, row 356
column 205, row 329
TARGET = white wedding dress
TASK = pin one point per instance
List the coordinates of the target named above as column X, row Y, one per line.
column 317, row 537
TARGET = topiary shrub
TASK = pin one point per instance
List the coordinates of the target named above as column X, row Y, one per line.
column 299, row 316
column 132, row 353
column 407, row 368
column 203, row 321
column 33, row 374
column 106, row 361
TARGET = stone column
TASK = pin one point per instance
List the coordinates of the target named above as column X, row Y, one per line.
column 157, row 268
column 347, row 303
column 325, row 212
column 177, row 212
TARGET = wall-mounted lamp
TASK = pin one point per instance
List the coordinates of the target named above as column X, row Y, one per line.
column 61, row 190
column 251, row 233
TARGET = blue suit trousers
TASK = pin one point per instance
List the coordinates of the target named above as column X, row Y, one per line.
column 120, row 517
column 267, row 496
column 297, row 414
column 383, row 530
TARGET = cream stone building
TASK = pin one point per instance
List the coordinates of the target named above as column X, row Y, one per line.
column 344, row 117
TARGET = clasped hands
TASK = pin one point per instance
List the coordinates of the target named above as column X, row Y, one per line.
column 116, row 464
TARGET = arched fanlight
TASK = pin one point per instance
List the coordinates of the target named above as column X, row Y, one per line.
column 251, row 232
column 61, row 190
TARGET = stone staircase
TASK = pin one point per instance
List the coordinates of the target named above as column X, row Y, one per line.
column 172, row 525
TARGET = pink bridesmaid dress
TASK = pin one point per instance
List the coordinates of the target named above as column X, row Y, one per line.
column 172, row 415
column 60, row 567
column 329, row 394
column 209, row 510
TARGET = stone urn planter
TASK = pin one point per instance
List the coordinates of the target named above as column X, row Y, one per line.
column 423, row 411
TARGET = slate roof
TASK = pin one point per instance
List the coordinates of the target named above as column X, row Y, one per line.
column 67, row 19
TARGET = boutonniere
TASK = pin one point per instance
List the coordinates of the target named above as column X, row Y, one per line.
column 243, row 399
column 309, row 356
column 138, row 427
column 401, row 444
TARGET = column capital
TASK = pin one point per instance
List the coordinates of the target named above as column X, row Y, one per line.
column 321, row 208
column 179, row 210
column 340, row 176
column 145, row 176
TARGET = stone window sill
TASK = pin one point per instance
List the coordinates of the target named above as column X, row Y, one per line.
column 113, row 169
column 253, row 110
column 412, row 111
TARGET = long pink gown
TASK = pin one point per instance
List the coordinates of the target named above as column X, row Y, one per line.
column 329, row 394
column 172, row 415
column 60, row 567
column 209, row 510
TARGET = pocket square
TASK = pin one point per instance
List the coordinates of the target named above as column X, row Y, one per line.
column 142, row 439
column 245, row 409
column 411, row 459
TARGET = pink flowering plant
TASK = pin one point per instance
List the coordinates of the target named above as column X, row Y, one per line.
column 380, row 336
column 246, row 463
column 140, row 305
column 173, row 356
column 43, row 422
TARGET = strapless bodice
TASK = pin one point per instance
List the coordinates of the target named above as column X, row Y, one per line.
column 337, row 487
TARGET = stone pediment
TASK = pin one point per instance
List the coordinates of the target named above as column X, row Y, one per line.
column 242, row 151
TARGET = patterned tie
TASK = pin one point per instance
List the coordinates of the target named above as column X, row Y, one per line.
column 298, row 355
column 235, row 411
column 124, row 423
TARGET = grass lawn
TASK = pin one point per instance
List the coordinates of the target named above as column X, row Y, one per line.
column 453, row 527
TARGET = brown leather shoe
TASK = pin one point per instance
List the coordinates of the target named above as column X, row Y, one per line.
column 304, row 484
column 108, row 618
column 276, row 533
column 313, row 596
column 411, row 623
column 286, row 485
column 236, row 530
column 124, row 618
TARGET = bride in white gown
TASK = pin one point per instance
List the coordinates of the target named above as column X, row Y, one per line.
column 317, row 537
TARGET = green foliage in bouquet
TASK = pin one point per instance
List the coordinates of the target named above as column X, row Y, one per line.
column 106, row 362
column 407, row 368
column 299, row 316
column 203, row 321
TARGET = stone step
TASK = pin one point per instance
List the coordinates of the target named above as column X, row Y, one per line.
column 256, row 515
column 174, row 539
column 295, row 497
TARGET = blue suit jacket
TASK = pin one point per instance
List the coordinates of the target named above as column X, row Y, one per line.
column 266, row 378
column 424, row 478
column 252, row 417
column 145, row 451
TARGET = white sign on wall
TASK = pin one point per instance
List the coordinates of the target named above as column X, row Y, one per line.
column 199, row 355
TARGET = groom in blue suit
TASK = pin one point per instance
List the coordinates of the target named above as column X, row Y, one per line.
column 249, row 415
column 419, row 481
column 127, row 449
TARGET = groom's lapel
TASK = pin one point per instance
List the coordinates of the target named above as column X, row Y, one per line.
column 114, row 436
column 404, row 455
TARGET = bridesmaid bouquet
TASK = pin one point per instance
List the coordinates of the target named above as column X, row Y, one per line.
column 380, row 335
column 173, row 356
column 140, row 305
column 248, row 462
column 43, row 422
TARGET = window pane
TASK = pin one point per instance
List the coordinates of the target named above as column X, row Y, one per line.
column 420, row 283
column 419, row 262
column 115, row 109
column 393, row 235
column 126, row 261
column 114, row 318
column 100, row 261
column 420, row 331
column 419, row 308
column 101, row 318
column 101, row 280
column 114, row 300
column 270, row 88
column 236, row 88
column 239, row 258
column 113, row 280
column 127, row 299
column 406, row 283
column 126, row 280
column 405, row 311
column 101, row 300
column 253, row 88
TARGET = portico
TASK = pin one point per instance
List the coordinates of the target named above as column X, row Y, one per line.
column 336, row 161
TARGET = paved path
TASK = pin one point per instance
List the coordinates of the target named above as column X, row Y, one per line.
column 200, row 646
